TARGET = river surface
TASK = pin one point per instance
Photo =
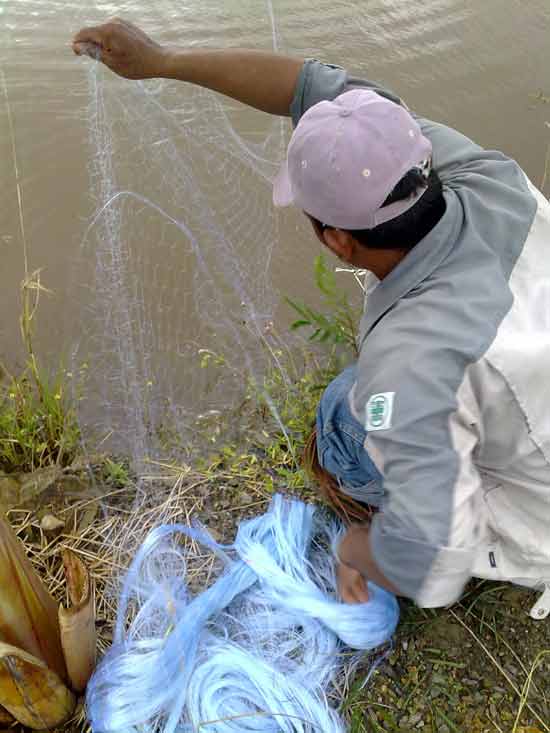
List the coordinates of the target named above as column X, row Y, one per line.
column 205, row 163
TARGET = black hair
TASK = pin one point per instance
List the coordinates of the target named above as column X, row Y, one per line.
column 409, row 228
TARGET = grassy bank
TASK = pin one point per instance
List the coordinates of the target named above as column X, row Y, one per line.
column 482, row 665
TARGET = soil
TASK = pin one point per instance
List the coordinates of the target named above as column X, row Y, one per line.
column 464, row 668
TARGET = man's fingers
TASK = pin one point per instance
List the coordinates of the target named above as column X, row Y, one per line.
column 354, row 595
column 348, row 596
column 361, row 591
column 351, row 585
column 87, row 49
column 93, row 34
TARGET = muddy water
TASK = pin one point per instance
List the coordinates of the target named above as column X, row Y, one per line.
column 478, row 66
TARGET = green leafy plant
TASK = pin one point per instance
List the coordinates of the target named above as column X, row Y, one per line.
column 337, row 324
column 116, row 473
column 38, row 424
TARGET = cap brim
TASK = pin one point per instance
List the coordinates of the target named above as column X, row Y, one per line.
column 282, row 190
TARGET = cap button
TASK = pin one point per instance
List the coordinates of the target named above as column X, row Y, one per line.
column 345, row 112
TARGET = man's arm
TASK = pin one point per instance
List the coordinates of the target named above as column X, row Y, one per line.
column 259, row 79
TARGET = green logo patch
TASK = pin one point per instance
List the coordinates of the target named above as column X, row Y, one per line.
column 379, row 411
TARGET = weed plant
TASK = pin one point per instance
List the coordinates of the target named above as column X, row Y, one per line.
column 38, row 423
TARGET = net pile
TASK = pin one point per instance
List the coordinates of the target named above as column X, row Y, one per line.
column 256, row 651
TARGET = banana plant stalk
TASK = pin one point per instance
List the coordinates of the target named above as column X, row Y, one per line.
column 77, row 622
column 28, row 614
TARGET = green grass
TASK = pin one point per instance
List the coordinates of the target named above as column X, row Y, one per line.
column 38, row 428
column 278, row 412
column 38, row 424
column 116, row 473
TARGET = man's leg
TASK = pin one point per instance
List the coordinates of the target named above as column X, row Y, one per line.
column 340, row 445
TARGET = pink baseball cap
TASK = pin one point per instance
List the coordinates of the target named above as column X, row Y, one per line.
column 345, row 158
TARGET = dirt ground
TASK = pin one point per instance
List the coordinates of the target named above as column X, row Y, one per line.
column 482, row 665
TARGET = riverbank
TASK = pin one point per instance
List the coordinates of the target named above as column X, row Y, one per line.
column 482, row 665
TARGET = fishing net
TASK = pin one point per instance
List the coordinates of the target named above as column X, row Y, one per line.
column 178, row 265
column 182, row 318
column 191, row 293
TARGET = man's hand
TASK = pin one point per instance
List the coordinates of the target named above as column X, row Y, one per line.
column 261, row 79
column 351, row 584
column 123, row 47
column 355, row 553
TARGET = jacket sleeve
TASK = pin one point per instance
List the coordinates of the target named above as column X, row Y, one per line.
column 426, row 538
column 319, row 81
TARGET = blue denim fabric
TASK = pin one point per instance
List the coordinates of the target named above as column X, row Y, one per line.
column 340, row 439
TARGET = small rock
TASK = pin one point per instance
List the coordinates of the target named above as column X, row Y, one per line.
column 88, row 517
column 49, row 523
column 34, row 485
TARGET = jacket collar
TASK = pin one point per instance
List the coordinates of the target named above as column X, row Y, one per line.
column 416, row 266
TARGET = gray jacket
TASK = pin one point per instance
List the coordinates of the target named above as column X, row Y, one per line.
column 454, row 367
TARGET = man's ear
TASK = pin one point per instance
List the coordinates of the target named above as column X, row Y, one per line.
column 341, row 243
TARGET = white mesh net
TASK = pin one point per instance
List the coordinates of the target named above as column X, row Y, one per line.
column 181, row 304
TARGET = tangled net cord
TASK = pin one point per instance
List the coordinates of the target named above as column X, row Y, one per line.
column 256, row 651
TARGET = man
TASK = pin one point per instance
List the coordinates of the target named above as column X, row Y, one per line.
column 444, row 422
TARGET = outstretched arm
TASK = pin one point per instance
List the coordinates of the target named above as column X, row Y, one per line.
column 260, row 79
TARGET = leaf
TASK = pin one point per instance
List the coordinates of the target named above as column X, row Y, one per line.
column 300, row 308
column 299, row 324
column 49, row 523
column 5, row 717
column 324, row 277
column 28, row 614
column 31, row 692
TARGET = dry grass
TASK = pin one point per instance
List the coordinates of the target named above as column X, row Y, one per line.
column 106, row 532
column 107, row 529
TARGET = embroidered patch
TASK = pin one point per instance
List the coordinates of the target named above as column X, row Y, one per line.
column 379, row 411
